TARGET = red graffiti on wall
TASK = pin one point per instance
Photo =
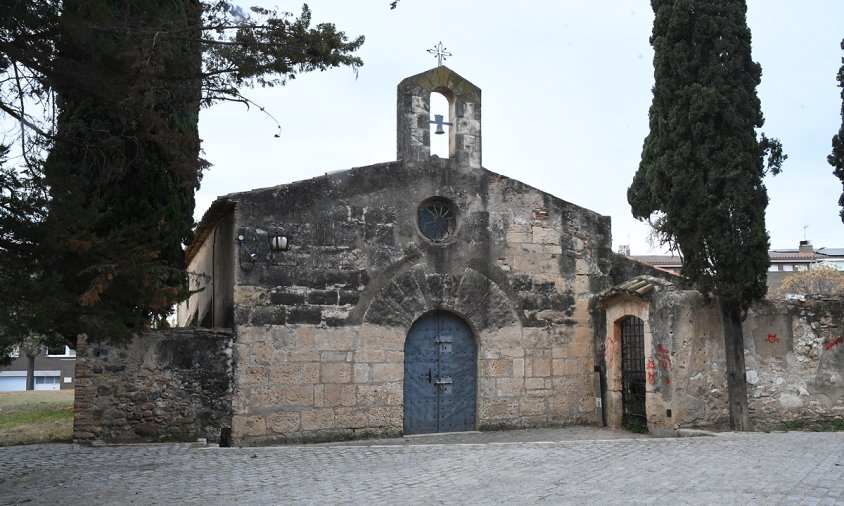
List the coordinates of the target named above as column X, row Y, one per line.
column 835, row 343
column 664, row 358
column 651, row 368
column 609, row 350
column 772, row 338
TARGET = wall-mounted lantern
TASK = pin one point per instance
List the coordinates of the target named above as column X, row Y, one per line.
column 256, row 244
column 278, row 243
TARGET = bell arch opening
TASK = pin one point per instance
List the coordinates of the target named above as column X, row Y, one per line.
column 442, row 125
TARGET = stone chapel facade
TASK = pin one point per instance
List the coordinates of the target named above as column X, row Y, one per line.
column 421, row 295
column 432, row 295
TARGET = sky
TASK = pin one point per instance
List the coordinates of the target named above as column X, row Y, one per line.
column 566, row 88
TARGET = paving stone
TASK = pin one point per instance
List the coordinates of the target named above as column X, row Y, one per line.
column 578, row 465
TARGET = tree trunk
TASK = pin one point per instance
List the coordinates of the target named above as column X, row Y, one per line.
column 736, row 378
column 30, row 372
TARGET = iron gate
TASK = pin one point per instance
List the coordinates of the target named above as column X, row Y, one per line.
column 439, row 375
column 633, row 373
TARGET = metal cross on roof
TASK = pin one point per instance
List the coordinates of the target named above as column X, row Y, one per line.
column 440, row 53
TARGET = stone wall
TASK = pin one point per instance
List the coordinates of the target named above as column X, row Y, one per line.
column 167, row 385
column 684, row 356
column 795, row 362
column 321, row 327
column 793, row 352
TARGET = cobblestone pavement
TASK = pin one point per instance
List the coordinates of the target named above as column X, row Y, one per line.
column 560, row 466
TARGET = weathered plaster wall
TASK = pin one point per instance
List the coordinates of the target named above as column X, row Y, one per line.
column 211, row 278
column 165, row 385
column 795, row 362
column 686, row 366
column 321, row 327
column 793, row 351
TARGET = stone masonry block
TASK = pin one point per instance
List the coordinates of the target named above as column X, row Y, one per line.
column 515, row 237
column 286, row 422
column 509, row 387
column 250, row 334
column 337, row 339
column 340, row 395
column 545, row 235
column 350, row 418
column 518, row 368
column 369, row 356
column 539, row 367
column 264, row 395
column 308, row 356
column 336, row 356
column 299, row 395
column 318, row 419
column 387, row 372
column 244, row 425
column 497, row 368
column 535, row 383
column 251, row 296
column 286, row 373
column 283, row 338
column 573, row 367
column 373, row 395
column 388, row 416
column 360, row 373
column 376, row 337
column 509, row 337
column 263, row 353
column 506, row 409
column 336, row 373
column 319, row 396
column 532, row 406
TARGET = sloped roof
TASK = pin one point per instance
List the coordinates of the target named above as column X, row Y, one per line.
column 832, row 252
column 218, row 210
column 658, row 259
column 637, row 287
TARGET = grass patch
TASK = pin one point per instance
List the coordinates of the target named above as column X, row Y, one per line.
column 36, row 417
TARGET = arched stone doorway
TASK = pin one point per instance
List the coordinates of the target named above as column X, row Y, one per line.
column 440, row 375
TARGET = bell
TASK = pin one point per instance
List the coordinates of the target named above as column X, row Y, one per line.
column 438, row 120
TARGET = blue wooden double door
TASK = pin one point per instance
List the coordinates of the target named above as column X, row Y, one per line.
column 440, row 375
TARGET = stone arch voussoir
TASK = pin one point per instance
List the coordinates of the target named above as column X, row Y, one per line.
column 469, row 294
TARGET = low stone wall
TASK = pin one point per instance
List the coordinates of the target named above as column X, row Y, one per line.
column 166, row 385
column 795, row 362
column 794, row 354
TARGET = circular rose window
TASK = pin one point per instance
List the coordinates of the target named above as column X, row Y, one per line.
column 437, row 219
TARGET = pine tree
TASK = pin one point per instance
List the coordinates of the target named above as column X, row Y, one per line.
column 115, row 191
column 700, row 178
column 836, row 159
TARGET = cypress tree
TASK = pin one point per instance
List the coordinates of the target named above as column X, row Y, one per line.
column 124, row 174
column 699, row 182
column 836, row 159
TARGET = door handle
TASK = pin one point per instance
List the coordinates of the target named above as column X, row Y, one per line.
column 429, row 376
